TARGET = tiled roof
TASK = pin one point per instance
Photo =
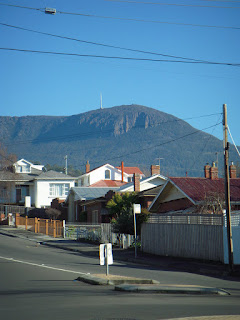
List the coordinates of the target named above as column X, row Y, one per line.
column 107, row 183
column 198, row 188
column 130, row 170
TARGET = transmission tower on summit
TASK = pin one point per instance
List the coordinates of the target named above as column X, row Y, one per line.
column 101, row 107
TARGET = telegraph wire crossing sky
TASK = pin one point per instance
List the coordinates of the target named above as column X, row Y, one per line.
column 126, row 51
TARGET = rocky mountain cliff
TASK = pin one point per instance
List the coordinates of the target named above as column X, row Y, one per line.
column 134, row 134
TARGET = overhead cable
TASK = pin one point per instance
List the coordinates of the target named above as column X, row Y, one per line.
column 172, row 4
column 98, row 43
column 148, row 21
column 158, row 145
column 86, row 134
column 122, row 58
column 129, row 19
column 233, row 141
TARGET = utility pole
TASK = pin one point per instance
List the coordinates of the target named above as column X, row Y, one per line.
column 66, row 169
column 227, row 188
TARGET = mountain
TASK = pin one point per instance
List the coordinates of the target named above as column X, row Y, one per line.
column 134, row 134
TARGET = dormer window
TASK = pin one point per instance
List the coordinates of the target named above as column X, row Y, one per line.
column 107, row 174
column 23, row 168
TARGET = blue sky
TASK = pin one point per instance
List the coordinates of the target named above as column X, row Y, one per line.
column 44, row 84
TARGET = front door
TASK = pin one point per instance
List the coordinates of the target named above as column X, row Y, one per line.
column 18, row 195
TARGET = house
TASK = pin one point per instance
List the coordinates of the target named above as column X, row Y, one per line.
column 24, row 166
column 141, row 183
column 184, row 193
column 92, row 200
column 106, row 174
column 86, row 204
column 28, row 180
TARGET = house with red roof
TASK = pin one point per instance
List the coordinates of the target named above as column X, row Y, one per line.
column 95, row 188
column 182, row 193
column 108, row 176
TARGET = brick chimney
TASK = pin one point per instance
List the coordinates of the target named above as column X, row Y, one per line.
column 207, row 168
column 233, row 171
column 214, row 172
column 122, row 169
column 155, row 169
column 87, row 167
column 136, row 181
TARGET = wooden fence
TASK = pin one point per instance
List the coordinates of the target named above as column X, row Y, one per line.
column 186, row 236
column 54, row 228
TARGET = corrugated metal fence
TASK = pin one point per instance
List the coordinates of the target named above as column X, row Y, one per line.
column 185, row 235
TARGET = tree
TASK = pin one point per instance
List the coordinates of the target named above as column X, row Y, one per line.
column 53, row 213
column 121, row 209
column 7, row 174
column 214, row 202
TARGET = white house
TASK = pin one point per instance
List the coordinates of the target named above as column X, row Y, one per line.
column 30, row 180
column 24, row 166
column 104, row 176
column 145, row 183
column 50, row 185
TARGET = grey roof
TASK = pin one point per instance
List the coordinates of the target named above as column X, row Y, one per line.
column 153, row 177
column 88, row 193
column 7, row 176
column 51, row 174
column 151, row 192
column 10, row 176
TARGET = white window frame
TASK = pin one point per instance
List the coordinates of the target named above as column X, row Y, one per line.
column 54, row 189
column 107, row 173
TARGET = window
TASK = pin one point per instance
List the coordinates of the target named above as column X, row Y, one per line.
column 59, row 189
column 107, row 174
column 95, row 216
column 23, row 168
column 129, row 179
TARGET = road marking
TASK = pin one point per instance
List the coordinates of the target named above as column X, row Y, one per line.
column 41, row 265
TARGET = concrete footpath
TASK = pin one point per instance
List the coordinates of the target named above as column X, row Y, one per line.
column 126, row 283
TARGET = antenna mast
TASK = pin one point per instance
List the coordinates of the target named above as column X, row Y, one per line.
column 101, row 107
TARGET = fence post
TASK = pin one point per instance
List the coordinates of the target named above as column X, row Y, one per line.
column 54, row 228
column 35, row 224
column 26, row 222
column 46, row 227
column 63, row 228
column 17, row 219
column 38, row 225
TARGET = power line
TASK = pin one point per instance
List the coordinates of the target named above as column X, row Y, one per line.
column 122, row 58
column 233, row 141
column 86, row 134
column 148, row 21
column 98, row 43
column 172, row 4
column 205, row 145
column 130, row 19
column 22, row 7
column 158, row 145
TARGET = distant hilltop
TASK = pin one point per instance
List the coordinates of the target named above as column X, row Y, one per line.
column 135, row 134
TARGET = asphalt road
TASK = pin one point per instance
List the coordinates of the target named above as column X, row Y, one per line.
column 38, row 282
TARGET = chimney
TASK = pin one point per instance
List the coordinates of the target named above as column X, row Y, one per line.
column 155, row 169
column 233, row 171
column 207, row 168
column 214, row 172
column 87, row 167
column 122, row 169
column 136, row 181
